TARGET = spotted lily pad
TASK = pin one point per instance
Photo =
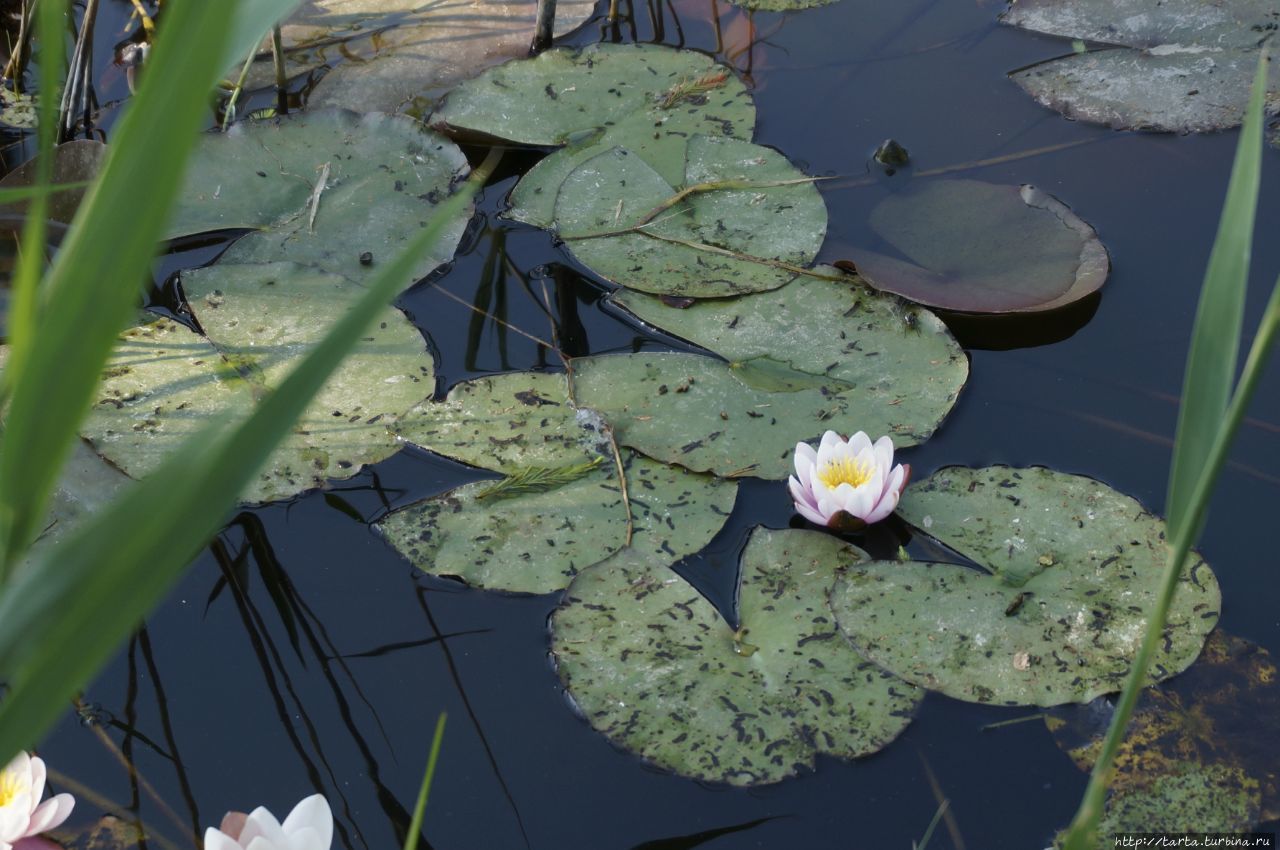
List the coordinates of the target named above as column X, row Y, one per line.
column 759, row 218
column 400, row 55
column 537, row 539
column 656, row 669
column 326, row 188
column 817, row 354
column 1055, row 615
column 164, row 382
column 646, row 98
column 1222, row 714
column 1183, row 66
column 505, row 421
column 980, row 247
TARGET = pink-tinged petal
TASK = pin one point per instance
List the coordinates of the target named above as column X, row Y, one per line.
column 217, row 840
column 828, row 505
column 829, row 441
column 233, row 824
column 261, row 823
column 884, row 452
column 859, row 442
column 884, row 508
column 307, row 839
column 906, row 477
column 896, row 481
column 806, row 456
column 38, row 775
column 34, row 842
column 855, row 500
column 312, row 813
column 51, row 813
column 799, row 494
column 13, row 823
column 812, row 514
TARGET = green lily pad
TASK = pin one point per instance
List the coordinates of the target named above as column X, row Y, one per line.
column 18, row 111
column 655, row 668
column 164, row 382
column 983, row 248
column 537, row 540
column 726, row 241
column 1222, row 713
column 505, row 421
column 1183, row 66
column 378, row 179
column 1070, row 568
column 646, row 98
column 815, row 355
column 400, row 55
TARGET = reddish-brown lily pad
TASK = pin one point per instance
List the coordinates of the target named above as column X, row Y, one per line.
column 979, row 247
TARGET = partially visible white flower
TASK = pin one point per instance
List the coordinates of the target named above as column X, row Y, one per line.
column 308, row 827
column 847, row 485
column 22, row 815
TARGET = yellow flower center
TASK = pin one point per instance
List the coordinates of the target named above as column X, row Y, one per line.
column 9, row 787
column 846, row 470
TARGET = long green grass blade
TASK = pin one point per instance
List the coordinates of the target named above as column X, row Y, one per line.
column 250, row 25
column 1202, row 445
column 93, row 285
column 1215, row 338
column 63, row 615
column 420, row 808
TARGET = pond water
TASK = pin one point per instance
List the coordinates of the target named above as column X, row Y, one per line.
column 300, row 654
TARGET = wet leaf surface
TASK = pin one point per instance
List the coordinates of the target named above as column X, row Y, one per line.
column 165, row 383
column 1222, row 715
column 1070, row 568
column 1182, row 66
column 815, row 355
column 400, row 55
column 984, row 248
column 646, row 98
column 654, row 667
column 610, row 212
column 536, row 542
column 325, row 188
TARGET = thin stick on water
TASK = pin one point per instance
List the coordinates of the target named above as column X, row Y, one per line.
column 622, row 482
column 282, row 79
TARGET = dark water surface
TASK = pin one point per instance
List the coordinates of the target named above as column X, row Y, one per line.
column 301, row 654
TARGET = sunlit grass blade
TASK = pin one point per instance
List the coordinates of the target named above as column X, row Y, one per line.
column 63, row 615
column 420, row 808
column 93, row 285
column 1208, row 422
column 1215, row 338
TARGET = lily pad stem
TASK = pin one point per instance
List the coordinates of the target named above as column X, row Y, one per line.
column 622, row 481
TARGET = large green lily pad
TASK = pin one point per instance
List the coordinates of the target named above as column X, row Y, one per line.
column 1222, row 714
column 1071, row 567
column 537, row 540
column 400, row 55
column 654, row 666
column 372, row 182
column 646, row 98
column 983, row 248
column 501, row 422
column 76, row 161
column 165, row 383
column 1183, row 66
column 727, row 241
column 815, row 355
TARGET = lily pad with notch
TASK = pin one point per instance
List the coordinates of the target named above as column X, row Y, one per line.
column 1183, row 66
column 647, row 98
column 817, row 354
column 656, row 669
column 535, row 529
column 743, row 220
column 323, row 189
column 1069, row 568
column 977, row 247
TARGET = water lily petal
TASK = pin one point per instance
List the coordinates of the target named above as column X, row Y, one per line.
column 859, row 442
column 857, row 501
column 217, row 840
column 33, row 842
column 312, row 813
column 814, row 515
column 884, row 452
column 799, row 494
column 829, row 441
column 260, row 842
column 13, row 820
column 261, row 823
column 38, row 775
column 51, row 813
column 887, row 503
column 306, row 838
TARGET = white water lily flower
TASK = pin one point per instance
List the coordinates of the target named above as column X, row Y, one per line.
column 22, row 815
column 847, row 485
column 308, row 827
